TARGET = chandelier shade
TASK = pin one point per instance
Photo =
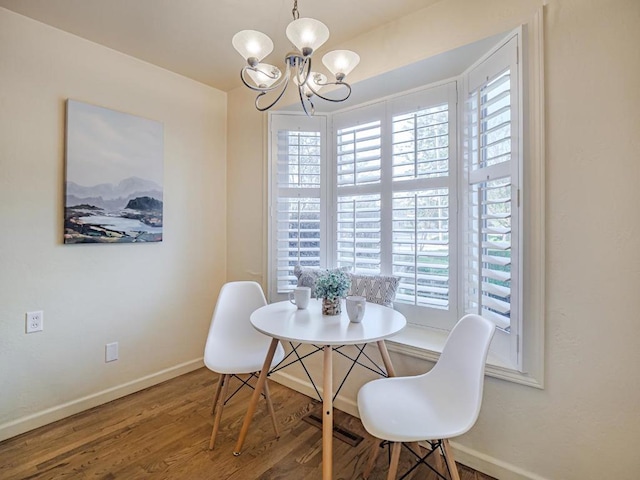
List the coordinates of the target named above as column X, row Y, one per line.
column 341, row 62
column 315, row 82
column 264, row 75
column 307, row 35
column 252, row 44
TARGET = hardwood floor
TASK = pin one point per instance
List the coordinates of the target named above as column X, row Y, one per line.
column 163, row 433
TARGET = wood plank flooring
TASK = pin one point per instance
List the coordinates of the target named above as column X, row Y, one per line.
column 163, row 433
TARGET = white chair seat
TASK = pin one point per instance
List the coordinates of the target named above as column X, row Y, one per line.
column 416, row 410
column 239, row 358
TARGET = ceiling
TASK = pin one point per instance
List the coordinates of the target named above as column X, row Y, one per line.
column 193, row 37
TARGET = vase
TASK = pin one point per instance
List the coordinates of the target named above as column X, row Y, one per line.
column 331, row 307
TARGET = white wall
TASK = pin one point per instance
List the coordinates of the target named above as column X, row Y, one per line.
column 156, row 300
column 585, row 424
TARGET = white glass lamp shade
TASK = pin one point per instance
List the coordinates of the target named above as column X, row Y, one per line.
column 252, row 44
column 341, row 62
column 265, row 75
column 307, row 34
column 315, row 79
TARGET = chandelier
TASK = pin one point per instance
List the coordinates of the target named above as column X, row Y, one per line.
column 307, row 35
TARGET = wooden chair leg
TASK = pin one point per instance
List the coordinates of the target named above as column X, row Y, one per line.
column 255, row 397
column 395, row 459
column 437, row 460
column 372, row 458
column 451, row 462
column 217, row 394
column 415, row 446
column 221, row 399
column 272, row 412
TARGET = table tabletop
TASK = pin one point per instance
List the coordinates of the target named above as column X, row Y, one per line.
column 284, row 321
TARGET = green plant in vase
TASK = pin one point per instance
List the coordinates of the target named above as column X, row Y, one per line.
column 331, row 286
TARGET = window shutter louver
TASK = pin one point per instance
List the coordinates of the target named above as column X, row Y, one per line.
column 358, row 214
column 421, row 144
column 358, row 233
column 359, row 154
column 421, row 247
column 489, row 286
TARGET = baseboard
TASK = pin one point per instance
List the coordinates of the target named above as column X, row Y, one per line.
column 58, row 412
column 465, row 455
column 490, row 465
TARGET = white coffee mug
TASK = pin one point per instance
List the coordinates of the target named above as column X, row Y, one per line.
column 300, row 297
column 355, row 308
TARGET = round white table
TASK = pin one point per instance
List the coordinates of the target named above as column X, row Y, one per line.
column 283, row 321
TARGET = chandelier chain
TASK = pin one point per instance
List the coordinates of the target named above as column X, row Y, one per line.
column 294, row 12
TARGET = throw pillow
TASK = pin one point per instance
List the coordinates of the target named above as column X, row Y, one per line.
column 307, row 276
column 380, row 289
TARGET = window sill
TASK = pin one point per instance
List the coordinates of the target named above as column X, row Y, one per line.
column 426, row 343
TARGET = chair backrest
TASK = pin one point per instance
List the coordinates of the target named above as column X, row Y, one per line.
column 230, row 323
column 459, row 371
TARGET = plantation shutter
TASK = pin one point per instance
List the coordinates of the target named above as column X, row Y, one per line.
column 492, row 257
column 358, row 222
column 422, row 178
column 296, row 207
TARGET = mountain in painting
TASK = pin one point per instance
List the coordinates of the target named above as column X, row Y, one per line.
column 112, row 197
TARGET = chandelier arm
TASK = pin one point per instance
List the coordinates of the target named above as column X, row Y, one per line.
column 304, row 69
column 304, row 106
column 344, row 84
column 263, row 92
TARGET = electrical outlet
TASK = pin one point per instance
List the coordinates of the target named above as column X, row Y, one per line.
column 34, row 321
column 111, row 352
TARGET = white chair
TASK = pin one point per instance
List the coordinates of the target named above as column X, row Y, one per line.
column 234, row 347
column 435, row 406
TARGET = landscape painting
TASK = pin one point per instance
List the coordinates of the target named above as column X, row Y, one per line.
column 114, row 176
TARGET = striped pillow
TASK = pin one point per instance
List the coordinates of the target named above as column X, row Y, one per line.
column 380, row 289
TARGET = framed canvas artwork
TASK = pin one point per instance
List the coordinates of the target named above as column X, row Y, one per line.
column 114, row 176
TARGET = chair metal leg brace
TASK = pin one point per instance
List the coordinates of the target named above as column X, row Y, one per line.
column 346, row 375
column 299, row 359
column 421, row 459
column 375, row 369
column 222, row 397
column 319, row 348
column 243, row 383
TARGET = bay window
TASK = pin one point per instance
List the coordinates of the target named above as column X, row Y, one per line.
column 424, row 185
